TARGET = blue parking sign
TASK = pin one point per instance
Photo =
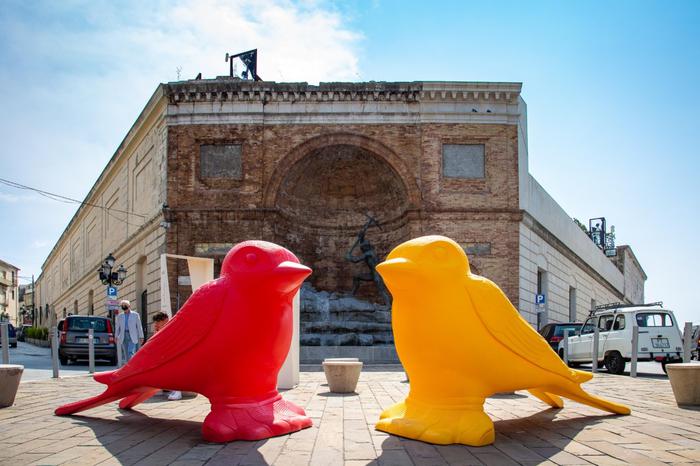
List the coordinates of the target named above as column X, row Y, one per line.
column 112, row 292
column 540, row 299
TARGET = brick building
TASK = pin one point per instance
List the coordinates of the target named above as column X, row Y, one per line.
column 209, row 163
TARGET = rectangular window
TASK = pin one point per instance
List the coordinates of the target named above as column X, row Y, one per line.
column 220, row 161
column 465, row 161
column 619, row 322
column 605, row 323
column 654, row 320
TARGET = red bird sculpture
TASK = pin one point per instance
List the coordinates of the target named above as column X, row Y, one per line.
column 228, row 342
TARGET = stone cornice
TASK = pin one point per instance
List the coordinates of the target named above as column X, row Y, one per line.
column 224, row 89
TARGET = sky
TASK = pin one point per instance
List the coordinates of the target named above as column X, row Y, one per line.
column 611, row 88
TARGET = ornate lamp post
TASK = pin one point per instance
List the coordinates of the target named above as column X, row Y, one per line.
column 109, row 276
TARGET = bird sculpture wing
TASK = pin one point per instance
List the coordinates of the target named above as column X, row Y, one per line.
column 506, row 325
column 190, row 325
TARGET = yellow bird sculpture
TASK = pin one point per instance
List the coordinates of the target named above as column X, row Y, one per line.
column 460, row 340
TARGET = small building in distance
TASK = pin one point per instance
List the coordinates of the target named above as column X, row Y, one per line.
column 26, row 304
column 9, row 294
column 212, row 162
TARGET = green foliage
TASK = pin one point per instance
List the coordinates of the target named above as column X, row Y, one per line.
column 38, row 333
column 581, row 226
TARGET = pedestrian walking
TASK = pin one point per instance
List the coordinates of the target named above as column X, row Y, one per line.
column 159, row 321
column 129, row 331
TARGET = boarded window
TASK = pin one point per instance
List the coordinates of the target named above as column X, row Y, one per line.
column 477, row 249
column 463, row 161
column 221, row 161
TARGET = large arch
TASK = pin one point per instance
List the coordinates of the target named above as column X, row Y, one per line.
column 373, row 146
column 320, row 194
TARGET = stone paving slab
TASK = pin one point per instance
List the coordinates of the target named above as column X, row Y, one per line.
column 527, row 432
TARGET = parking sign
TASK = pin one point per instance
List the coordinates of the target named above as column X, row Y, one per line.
column 111, row 292
column 540, row 299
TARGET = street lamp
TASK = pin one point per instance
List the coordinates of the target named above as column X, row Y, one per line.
column 107, row 274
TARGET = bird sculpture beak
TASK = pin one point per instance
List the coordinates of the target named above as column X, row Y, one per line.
column 293, row 271
column 395, row 266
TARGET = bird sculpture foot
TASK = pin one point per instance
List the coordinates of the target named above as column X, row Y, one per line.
column 439, row 424
column 253, row 421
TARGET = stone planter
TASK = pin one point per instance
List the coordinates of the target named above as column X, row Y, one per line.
column 342, row 374
column 10, row 375
column 36, row 342
column 685, row 382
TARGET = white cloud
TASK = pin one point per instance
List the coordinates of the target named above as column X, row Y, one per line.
column 39, row 244
column 9, row 198
column 137, row 43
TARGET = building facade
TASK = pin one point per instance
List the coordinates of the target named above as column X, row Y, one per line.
column 210, row 163
column 9, row 293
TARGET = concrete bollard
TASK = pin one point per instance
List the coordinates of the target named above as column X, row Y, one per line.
column 54, row 351
column 594, row 353
column 685, row 383
column 91, row 351
column 342, row 376
column 565, row 347
column 10, row 376
column 5, row 340
column 635, row 350
column 687, row 341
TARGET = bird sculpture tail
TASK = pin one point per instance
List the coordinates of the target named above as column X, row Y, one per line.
column 574, row 392
column 129, row 398
column 107, row 397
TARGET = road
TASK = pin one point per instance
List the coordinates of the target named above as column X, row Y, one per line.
column 37, row 363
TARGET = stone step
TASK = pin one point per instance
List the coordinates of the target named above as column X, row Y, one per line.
column 345, row 339
column 343, row 327
column 346, row 315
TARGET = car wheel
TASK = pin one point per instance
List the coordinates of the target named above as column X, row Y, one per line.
column 64, row 360
column 13, row 346
column 615, row 363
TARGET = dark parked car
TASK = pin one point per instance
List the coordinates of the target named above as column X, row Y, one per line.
column 13, row 336
column 22, row 332
column 554, row 333
column 73, row 338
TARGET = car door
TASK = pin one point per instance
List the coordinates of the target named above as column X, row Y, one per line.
column 605, row 325
column 578, row 342
column 658, row 332
column 615, row 339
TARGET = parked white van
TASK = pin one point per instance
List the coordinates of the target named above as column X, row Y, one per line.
column 659, row 336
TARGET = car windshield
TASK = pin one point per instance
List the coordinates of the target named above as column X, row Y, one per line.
column 83, row 324
column 560, row 329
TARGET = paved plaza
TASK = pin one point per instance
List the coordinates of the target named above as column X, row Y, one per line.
column 527, row 431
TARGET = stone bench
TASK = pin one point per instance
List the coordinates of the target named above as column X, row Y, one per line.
column 10, row 375
column 685, row 382
column 342, row 374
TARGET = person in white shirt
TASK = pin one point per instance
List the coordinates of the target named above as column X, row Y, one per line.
column 129, row 331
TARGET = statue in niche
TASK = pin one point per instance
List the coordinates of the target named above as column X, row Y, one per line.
column 369, row 257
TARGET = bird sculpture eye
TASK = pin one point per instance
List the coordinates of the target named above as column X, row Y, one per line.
column 251, row 258
column 440, row 253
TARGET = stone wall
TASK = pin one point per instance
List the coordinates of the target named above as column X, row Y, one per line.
column 539, row 250
column 308, row 187
column 131, row 188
